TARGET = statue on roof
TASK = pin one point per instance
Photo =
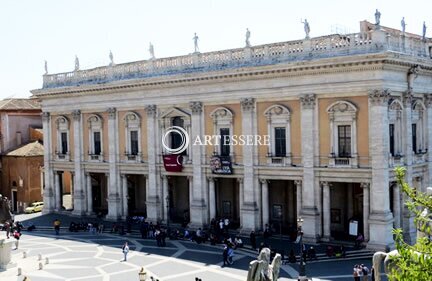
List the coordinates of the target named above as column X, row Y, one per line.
column 195, row 39
column 377, row 17
column 151, row 51
column 424, row 31
column 403, row 25
column 46, row 67
column 76, row 63
column 306, row 28
column 111, row 57
column 248, row 44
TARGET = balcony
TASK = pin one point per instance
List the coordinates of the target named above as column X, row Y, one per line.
column 133, row 157
column 62, row 156
column 95, row 157
column 420, row 156
column 343, row 161
column 396, row 160
column 279, row 160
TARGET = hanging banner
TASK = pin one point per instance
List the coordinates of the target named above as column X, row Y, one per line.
column 173, row 162
column 221, row 165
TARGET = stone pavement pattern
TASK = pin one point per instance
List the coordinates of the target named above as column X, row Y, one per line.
column 82, row 256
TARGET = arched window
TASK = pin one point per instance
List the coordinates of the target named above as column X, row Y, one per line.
column 133, row 137
column 395, row 128
column 223, row 127
column 279, row 130
column 418, row 127
column 343, row 134
column 95, row 126
column 62, row 150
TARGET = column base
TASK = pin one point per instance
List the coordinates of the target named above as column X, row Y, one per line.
column 249, row 217
column 310, row 229
column 409, row 230
column 198, row 213
column 380, row 231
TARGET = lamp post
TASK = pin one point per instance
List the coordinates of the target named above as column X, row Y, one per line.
column 302, row 271
column 168, row 209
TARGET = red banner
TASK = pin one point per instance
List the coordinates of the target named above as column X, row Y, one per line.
column 173, row 162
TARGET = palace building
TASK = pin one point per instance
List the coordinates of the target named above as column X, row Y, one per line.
column 341, row 111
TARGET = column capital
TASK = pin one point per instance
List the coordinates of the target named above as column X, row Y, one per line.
column 240, row 180
column 379, row 96
column 263, row 181
column 364, row 185
column 45, row 116
column 122, row 176
column 325, row 184
column 308, row 101
column 112, row 112
column 428, row 100
column 196, row 107
column 247, row 104
column 211, row 179
column 164, row 177
column 151, row 110
column 298, row 182
column 407, row 98
column 87, row 174
column 76, row 114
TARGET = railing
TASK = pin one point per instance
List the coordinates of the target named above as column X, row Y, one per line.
column 319, row 47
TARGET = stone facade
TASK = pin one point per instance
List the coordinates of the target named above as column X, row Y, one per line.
column 329, row 97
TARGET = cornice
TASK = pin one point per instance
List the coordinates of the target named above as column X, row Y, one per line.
column 315, row 67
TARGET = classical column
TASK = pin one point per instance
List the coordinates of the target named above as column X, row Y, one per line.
column 249, row 211
column 298, row 185
column 58, row 192
column 366, row 207
column 408, row 218
column 429, row 138
column 79, row 197
column 396, row 205
column 154, row 204
column 198, row 207
column 125, row 195
column 265, row 202
column 326, row 210
column 165, row 195
column 190, row 184
column 309, row 208
column 49, row 192
column 114, row 185
column 380, row 219
column 212, row 197
column 350, row 200
column 89, row 194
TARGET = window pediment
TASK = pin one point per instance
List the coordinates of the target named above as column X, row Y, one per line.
column 62, row 123
column 95, row 121
column 221, row 114
column 174, row 112
column 278, row 111
column 132, row 119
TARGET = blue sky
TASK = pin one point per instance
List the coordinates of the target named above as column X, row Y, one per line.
column 54, row 30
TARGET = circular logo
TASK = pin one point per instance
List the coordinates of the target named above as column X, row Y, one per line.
column 184, row 139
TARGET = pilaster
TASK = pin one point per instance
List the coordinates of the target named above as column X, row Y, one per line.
column 249, row 211
column 326, row 211
column 309, row 210
column 154, row 204
column 49, row 191
column 79, row 197
column 381, row 219
column 366, row 209
column 89, row 195
column 114, row 184
column 212, row 197
column 265, row 202
column 428, row 99
column 198, row 208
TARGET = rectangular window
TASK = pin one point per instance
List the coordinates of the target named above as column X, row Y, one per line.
column 64, row 143
column 392, row 138
column 134, row 142
column 97, row 143
column 224, row 141
column 280, row 141
column 414, row 137
column 344, row 140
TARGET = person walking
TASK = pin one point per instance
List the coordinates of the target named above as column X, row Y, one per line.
column 253, row 240
column 225, row 255
column 7, row 227
column 125, row 250
column 365, row 271
column 17, row 236
column 57, row 224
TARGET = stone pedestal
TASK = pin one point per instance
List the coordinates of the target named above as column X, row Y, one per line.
column 5, row 254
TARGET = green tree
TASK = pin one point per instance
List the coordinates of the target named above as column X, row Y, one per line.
column 414, row 262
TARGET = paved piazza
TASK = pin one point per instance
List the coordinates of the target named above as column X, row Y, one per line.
column 82, row 256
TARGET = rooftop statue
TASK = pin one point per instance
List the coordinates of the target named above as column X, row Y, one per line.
column 247, row 37
column 261, row 269
column 151, row 51
column 46, row 67
column 377, row 17
column 195, row 39
column 306, row 28
column 111, row 57
column 403, row 25
column 76, row 63
column 424, row 31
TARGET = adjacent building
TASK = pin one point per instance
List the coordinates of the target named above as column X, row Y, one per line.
column 21, row 151
column 341, row 111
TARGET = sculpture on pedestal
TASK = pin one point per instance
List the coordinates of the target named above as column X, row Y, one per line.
column 377, row 17
column 306, row 28
column 76, row 63
column 151, row 51
column 403, row 25
column 247, row 37
column 424, row 31
column 261, row 269
column 195, row 39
